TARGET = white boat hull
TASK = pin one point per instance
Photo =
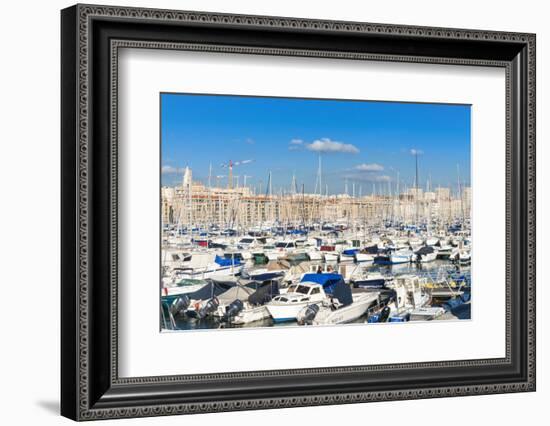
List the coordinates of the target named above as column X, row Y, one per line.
column 428, row 257
column 400, row 258
column 314, row 255
column 285, row 312
column 364, row 258
column 426, row 313
column 250, row 315
column 214, row 272
column 359, row 307
column 331, row 257
column 431, row 241
column 176, row 291
column 274, row 255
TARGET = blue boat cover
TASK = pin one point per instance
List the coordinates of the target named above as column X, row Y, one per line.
column 341, row 291
column 373, row 318
column 350, row 252
column 222, row 261
column 323, row 279
column 328, row 281
column 296, row 232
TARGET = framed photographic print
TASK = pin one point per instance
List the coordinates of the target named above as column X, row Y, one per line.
column 263, row 212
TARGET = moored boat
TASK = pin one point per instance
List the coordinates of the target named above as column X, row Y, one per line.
column 312, row 289
column 425, row 254
column 342, row 307
column 368, row 280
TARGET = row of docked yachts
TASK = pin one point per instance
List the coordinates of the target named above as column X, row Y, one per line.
column 315, row 298
column 208, row 258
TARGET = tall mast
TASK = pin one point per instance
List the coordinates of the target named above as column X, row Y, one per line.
column 303, row 207
column 320, row 176
column 210, row 218
column 416, row 187
column 269, row 187
column 269, row 192
column 460, row 194
column 397, row 197
column 397, row 189
column 230, row 176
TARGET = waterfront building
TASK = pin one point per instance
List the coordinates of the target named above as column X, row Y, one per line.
column 193, row 204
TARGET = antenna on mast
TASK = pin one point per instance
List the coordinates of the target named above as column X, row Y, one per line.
column 293, row 186
column 416, row 188
column 397, row 184
column 460, row 193
column 269, row 186
column 320, row 176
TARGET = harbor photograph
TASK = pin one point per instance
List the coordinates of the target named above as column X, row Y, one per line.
column 278, row 212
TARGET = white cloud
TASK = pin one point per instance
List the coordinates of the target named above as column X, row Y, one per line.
column 368, row 177
column 170, row 170
column 295, row 144
column 416, row 151
column 373, row 167
column 382, row 178
column 238, row 163
column 325, row 145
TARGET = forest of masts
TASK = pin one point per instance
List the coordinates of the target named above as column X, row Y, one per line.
column 245, row 208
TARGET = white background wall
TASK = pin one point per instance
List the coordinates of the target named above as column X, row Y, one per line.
column 29, row 210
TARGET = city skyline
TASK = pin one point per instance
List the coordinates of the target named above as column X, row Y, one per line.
column 364, row 143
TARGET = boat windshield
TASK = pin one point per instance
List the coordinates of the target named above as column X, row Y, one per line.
column 302, row 289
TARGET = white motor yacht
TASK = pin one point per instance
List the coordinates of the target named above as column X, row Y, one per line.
column 338, row 310
column 286, row 307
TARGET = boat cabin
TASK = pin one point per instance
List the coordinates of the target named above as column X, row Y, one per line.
column 285, row 245
column 302, row 292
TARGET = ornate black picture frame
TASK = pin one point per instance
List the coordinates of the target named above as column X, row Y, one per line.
column 91, row 36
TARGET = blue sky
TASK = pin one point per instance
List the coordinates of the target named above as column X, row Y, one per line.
column 365, row 142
